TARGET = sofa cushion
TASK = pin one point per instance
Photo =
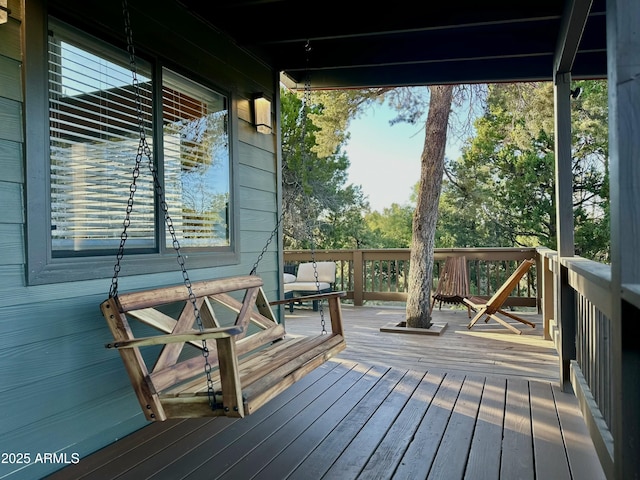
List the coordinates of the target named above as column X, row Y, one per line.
column 306, row 286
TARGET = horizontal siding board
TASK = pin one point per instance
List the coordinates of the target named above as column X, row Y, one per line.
column 10, row 81
column 10, row 120
column 11, row 280
column 69, row 358
column 261, row 200
column 47, row 397
column 257, row 158
column 10, row 44
column 14, row 292
column 11, row 195
column 11, row 162
column 257, row 221
column 254, row 242
column 247, row 135
column 82, row 428
column 12, row 244
column 257, row 179
column 73, row 316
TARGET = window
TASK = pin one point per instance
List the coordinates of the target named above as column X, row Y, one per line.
column 93, row 126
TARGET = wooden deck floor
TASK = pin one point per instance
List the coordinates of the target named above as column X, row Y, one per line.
column 375, row 417
column 486, row 349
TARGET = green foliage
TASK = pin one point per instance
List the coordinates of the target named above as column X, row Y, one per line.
column 320, row 207
column 333, row 110
column 501, row 192
column 390, row 228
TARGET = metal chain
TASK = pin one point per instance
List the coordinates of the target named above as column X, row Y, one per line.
column 306, row 103
column 291, row 196
column 145, row 151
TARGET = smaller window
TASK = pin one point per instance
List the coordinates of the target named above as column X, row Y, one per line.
column 196, row 162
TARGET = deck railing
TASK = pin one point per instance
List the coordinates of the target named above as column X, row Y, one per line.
column 381, row 274
column 591, row 371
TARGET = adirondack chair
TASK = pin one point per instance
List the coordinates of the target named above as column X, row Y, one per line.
column 453, row 284
column 489, row 308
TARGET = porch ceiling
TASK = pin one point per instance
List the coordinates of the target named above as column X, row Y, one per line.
column 356, row 45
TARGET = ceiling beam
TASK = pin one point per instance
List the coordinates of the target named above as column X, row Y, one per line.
column 574, row 19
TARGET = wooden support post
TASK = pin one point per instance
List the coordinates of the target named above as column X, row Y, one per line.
column 623, row 46
column 230, row 378
column 133, row 362
column 358, row 278
column 547, row 296
column 565, row 308
column 335, row 314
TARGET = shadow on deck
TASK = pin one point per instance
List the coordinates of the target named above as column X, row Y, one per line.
column 487, row 349
column 479, row 405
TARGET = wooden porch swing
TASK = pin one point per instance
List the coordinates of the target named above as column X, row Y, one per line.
column 251, row 359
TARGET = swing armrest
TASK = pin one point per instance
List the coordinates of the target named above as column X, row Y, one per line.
column 315, row 296
column 335, row 310
column 222, row 332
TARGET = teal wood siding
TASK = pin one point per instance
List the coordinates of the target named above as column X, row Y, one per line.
column 61, row 391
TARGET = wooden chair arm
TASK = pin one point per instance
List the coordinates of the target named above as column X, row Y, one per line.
column 222, row 332
column 315, row 296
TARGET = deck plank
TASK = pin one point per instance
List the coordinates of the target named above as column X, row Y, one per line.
column 484, row 457
column 579, row 446
column 422, row 449
column 356, row 455
column 488, row 349
column 326, row 409
column 112, row 453
column 296, row 449
column 316, row 464
column 389, row 452
column 219, row 453
column 517, row 449
column 170, row 443
column 547, row 437
column 453, row 451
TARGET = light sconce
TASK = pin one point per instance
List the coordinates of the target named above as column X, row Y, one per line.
column 262, row 113
column 4, row 12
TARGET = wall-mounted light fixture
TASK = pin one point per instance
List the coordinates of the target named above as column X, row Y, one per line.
column 576, row 92
column 4, row 12
column 262, row 113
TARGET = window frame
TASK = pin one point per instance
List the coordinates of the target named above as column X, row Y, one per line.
column 42, row 266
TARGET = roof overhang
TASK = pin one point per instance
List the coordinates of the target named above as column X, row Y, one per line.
column 355, row 44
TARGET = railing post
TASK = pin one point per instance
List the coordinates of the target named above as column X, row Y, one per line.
column 547, row 296
column 565, row 310
column 358, row 278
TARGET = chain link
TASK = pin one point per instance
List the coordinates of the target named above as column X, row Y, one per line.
column 307, row 102
column 145, row 151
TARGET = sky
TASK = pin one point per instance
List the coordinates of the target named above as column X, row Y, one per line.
column 385, row 159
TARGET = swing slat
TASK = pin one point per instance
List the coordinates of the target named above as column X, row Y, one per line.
column 250, row 361
column 206, row 288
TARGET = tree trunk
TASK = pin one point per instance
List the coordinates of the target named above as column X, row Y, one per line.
column 426, row 214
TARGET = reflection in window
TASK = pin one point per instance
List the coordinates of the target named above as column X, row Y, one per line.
column 94, row 138
column 196, row 162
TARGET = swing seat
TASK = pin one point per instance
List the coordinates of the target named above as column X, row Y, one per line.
column 250, row 359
